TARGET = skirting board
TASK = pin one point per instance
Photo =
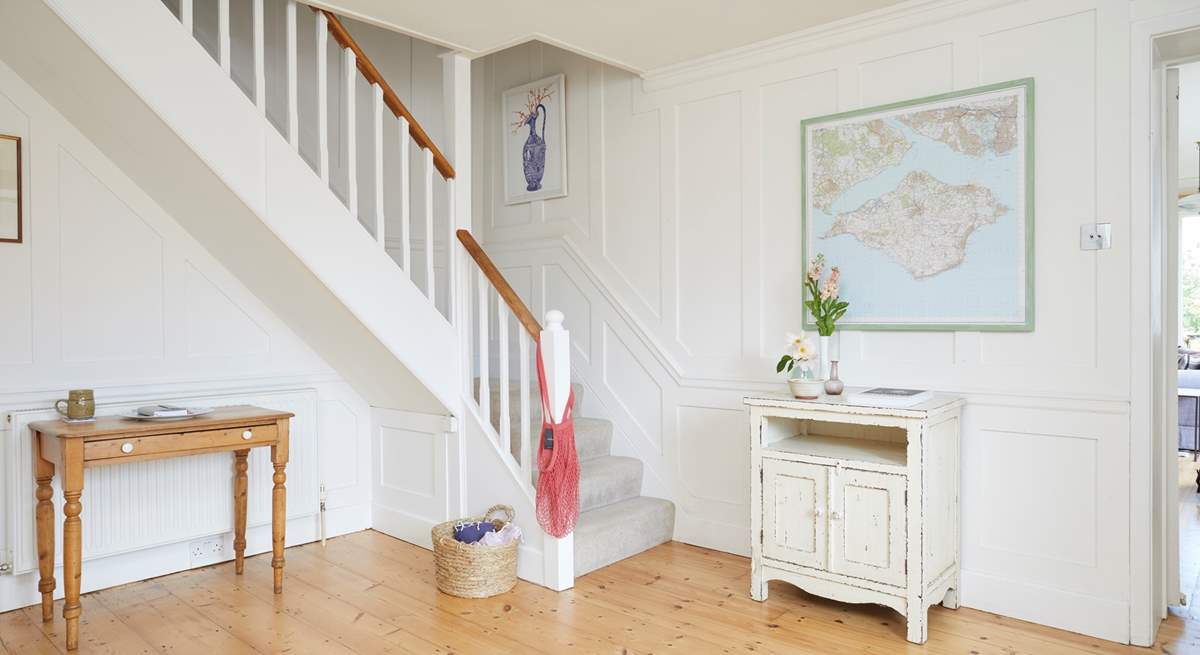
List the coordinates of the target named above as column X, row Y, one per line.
column 21, row 590
column 1100, row 617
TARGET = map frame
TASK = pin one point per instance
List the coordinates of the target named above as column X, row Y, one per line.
column 1027, row 325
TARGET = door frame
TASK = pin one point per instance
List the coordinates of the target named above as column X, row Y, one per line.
column 1151, row 459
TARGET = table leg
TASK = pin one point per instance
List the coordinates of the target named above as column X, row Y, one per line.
column 72, row 483
column 239, row 510
column 279, row 459
column 44, row 472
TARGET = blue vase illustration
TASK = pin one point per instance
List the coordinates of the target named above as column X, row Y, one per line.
column 534, row 152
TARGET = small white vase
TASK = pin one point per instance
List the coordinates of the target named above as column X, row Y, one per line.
column 824, row 354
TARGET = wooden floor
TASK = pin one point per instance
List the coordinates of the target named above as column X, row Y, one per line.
column 369, row 593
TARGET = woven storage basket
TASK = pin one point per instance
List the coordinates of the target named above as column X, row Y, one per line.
column 474, row 570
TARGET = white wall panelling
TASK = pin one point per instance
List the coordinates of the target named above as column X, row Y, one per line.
column 411, row 477
column 110, row 292
column 681, row 235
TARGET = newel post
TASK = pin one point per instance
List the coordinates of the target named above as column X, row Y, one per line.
column 558, row 554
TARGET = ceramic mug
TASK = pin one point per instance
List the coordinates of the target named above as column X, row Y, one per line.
column 79, row 404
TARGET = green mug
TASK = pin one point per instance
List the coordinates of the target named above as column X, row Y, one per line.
column 79, row 404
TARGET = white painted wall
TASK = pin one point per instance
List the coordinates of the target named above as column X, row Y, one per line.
column 674, row 261
column 108, row 291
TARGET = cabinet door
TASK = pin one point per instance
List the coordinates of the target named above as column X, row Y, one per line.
column 867, row 526
column 795, row 502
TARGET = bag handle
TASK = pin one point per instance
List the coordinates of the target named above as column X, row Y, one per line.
column 509, row 515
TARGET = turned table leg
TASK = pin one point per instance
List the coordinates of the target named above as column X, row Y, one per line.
column 279, row 458
column 239, row 510
column 72, row 483
column 44, row 472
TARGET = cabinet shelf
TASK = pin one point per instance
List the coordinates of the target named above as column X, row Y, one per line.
column 888, row 453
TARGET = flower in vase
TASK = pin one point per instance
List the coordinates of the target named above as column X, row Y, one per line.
column 830, row 290
column 801, row 347
column 815, row 267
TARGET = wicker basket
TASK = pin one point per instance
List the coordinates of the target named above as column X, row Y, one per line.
column 474, row 570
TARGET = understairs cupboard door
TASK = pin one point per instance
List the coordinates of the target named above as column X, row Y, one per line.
column 795, row 496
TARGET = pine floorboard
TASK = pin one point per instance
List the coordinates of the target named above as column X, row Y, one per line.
column 368, row 593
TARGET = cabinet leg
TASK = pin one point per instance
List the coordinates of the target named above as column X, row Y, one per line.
column 239, row 510
column 758, row 586
column 950, row 601
column 917, row 630
column 45, row 530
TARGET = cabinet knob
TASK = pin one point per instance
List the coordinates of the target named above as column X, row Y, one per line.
column 127, row 447
column 247, row 435
column 835, row 515
column 817, row 512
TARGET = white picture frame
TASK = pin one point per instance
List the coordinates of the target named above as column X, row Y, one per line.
column 542, row 102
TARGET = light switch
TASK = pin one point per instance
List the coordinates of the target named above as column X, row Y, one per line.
column 1095, row 236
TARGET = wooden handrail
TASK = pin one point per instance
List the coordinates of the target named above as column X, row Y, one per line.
column 339, row 33
column 506, row 292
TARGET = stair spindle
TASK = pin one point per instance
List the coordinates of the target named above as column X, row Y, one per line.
column 502, row 350
column 186, row 14
column 406, row 201
column 485, row 392
column 260, row 74
column 380, row 223
column 431, row 288
column 293, row 92
column 323, row 97
column 526, row 444
column 349, row 77
column 223, row 36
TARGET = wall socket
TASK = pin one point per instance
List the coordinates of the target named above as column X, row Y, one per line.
column 207, row 551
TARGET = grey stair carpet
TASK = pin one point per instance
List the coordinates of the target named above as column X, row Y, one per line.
column 615, row 520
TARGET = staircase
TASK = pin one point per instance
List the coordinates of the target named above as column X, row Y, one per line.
column 615, row 520
column 415, row 331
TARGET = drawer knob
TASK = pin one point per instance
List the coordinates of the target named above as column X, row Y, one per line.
column 127, row 447
column 247, row 435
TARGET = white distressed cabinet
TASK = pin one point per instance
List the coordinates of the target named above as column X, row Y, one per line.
column 858, row 504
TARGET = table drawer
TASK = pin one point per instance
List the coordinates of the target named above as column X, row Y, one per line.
column 161, row 444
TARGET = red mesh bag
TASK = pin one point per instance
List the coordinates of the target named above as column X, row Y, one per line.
column 558, row 465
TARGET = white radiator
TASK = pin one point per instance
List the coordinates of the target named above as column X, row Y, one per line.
column 128, row 507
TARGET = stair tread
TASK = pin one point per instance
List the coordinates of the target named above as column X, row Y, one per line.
column 614, row 532
column 606, row 480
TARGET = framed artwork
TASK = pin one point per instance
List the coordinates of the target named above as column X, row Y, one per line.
column 10, row 189
column 927, row 207
column 535, row 140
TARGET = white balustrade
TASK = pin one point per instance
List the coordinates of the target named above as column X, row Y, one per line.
column 430, row 291
column 349, row 79
column 293, row 91
column 380, row 223
column 406, row 200
column 505, row 398
column 526, row 459
column 260, row 70
column 485, row 392
column 323, row 97
column 223, row 35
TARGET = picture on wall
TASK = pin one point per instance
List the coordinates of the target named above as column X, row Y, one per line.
column 927, row 208
column 535, row 140
column 10, row 189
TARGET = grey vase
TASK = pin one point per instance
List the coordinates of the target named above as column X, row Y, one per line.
column 834, row 386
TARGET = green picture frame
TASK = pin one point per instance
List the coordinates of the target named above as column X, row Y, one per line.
column 1027, row 325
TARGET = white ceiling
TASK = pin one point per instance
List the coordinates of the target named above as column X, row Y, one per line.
column 638, row 35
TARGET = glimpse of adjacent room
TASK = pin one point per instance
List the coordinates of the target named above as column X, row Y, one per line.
column 1186, row 79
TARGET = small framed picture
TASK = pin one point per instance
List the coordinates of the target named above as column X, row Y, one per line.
column 535, row 140
column 10, row 189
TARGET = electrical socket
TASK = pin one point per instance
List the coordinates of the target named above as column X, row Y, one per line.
column 207, row 551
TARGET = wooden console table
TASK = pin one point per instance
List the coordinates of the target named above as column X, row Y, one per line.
column 72, row 447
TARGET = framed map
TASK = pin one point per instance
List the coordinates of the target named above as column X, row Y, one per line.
column 927, row 207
